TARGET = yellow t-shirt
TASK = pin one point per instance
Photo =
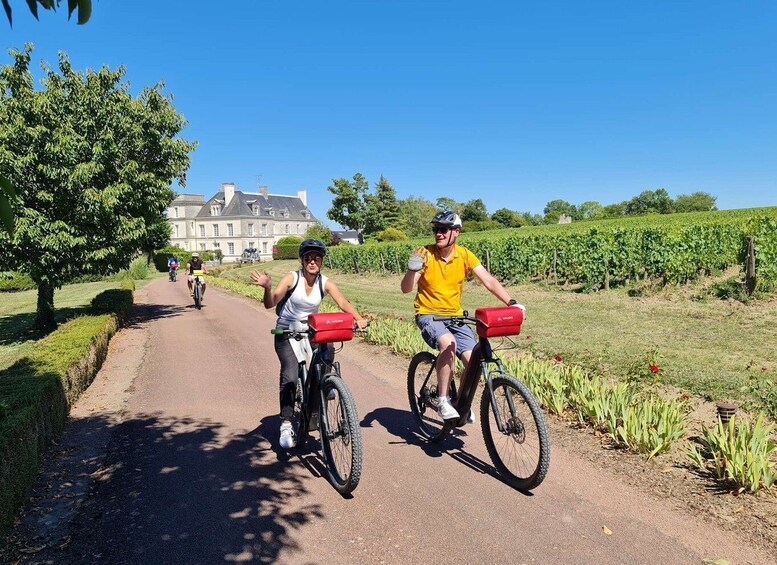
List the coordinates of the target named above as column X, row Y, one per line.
column 442, row 282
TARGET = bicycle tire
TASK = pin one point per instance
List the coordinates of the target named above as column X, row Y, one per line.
column 423, row 398
column 341, row 439
column 521, row 453
column 197, row 298
column 298, row 420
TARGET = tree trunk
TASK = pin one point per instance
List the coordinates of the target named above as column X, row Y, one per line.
column 44, row 320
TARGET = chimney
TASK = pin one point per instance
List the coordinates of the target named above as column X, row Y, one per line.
column 303, row 195
column 229, row 192
column 263, row 191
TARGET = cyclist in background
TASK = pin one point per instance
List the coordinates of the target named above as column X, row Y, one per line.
column 196, row 264
column 297, row 295
column 172, row 264
column 439, row 271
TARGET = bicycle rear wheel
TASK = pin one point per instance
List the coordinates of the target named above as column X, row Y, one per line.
column 197, row 296
column 521, row 449
column 423, row 397
column 341, row 438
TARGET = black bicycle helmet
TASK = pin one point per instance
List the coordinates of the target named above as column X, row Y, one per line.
column 311, row 245
column 446, row 218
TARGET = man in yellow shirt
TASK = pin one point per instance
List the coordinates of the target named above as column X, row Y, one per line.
column 439, row 271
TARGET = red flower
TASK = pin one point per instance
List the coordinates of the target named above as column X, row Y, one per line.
column 558, row 358
column 685, row 396
column 653, row 368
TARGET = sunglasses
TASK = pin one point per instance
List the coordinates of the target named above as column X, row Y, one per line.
column 440, row 229
column 311, row 257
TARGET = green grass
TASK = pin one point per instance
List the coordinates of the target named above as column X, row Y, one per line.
column 17, row 315
column 708, row 347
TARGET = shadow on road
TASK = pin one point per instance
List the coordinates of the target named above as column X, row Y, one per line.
column 401, row 424
column 187, row 491
column 142, row 313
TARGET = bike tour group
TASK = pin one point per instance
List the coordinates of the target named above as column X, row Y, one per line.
column 313, row 395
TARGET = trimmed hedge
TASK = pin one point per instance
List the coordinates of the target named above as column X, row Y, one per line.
column 37, row 391
column 162, row 255
column 17, row 282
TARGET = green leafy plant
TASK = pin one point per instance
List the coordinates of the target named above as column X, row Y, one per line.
column 739, row 452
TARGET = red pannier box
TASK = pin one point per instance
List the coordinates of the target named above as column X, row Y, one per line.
column 337, row 326
column 496, row 322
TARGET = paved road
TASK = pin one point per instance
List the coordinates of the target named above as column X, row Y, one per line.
column 181, row 431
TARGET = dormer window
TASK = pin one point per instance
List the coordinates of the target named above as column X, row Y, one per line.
column 271, row 211
column 255, row 209
column 215, row 210
column 306, row 214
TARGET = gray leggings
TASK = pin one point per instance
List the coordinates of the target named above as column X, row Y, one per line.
column 290, row 374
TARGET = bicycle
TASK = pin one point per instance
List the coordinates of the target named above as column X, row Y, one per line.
column 511, row 420
column 173, row 274
column 197, row 288
column 324, row 402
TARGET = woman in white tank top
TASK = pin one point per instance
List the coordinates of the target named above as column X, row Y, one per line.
column 297, row 295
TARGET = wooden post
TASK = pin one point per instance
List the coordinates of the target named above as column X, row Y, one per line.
column 488, row 261
column 399, row 267
column 382, row 264
column 355, row 264
column 750, row 267
column 555, row 275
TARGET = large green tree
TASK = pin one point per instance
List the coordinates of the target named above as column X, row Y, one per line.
column 650, row 202
column 92, row 167
column 84, row 7
column 474, row 211
column 695, row 202
column 590, row 210
column 349, row 206
column 382, row 207
column 415, row 213
column 508, row 218
column 555, row 208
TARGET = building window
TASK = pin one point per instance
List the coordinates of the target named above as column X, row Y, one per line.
column 215, row 210
column 298, row 229
column 230, row 248
column 186, row 245
column 176, row 230
column 202, row 247
column 255, row 209
column 215, row 230
column 251, row 245
column 271, row 211
column 230, row 230
column 175, row 210
column 202, row 230
column 250, row 229
column 264, row 229
column 264, row 247
column 216, row 245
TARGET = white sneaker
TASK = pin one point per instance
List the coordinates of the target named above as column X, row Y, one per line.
column 471, row 417
column 287, row 436
column 445, row 410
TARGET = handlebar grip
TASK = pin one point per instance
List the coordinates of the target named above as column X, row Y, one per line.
column 276, row 331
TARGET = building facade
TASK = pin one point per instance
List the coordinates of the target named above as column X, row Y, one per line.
column 233, row 220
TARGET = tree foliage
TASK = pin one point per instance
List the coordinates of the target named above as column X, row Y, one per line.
column 555, row 208
column 474, row 211
column 84, row 8
column 92, row 167
column 508, row 218
column 590, row 210
column 695, row 202
column 650, row 202
column 415, row 213
column 321, row 232
column 382, row 208
column 349, row 208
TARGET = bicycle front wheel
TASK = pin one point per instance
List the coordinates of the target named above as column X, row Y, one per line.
column 197, row 297
column 423, row 397
column 341, row 437
column 515, row 433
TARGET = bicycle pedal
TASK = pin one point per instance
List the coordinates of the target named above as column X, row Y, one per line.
column 313, row 423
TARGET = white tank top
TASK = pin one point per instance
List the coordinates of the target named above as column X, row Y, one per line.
column 299, row 305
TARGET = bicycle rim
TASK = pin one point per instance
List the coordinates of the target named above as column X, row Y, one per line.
column 521, row 450
column 423, row 397
column 341, row 440
column 197, row 297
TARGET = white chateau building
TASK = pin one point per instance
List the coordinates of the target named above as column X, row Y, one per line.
column 233, row 220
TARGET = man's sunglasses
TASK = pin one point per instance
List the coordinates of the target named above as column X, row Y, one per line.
column 441, row 229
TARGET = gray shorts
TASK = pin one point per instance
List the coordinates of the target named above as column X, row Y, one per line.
column 432, row 331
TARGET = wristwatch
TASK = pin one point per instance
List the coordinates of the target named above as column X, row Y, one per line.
column 512, row 302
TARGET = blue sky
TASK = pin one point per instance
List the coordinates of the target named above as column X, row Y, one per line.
column 516, row 103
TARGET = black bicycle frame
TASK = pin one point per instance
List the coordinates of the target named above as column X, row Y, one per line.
column 311, row 381
column 482, row 355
